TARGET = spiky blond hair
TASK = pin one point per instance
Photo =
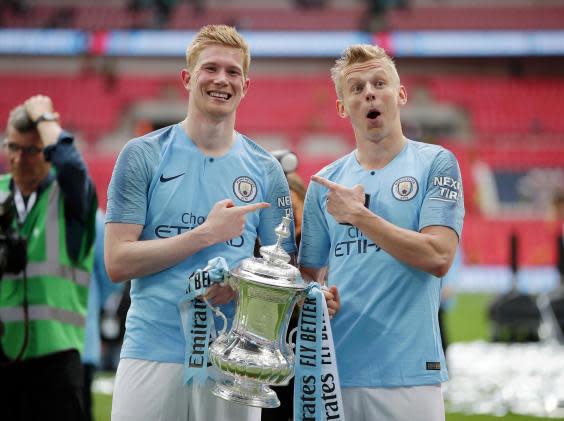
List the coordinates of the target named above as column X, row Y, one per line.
column 357, row 53
column 223, row 35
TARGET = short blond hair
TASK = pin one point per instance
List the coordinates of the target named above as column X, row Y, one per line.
column 223, row 35
column 357, row 53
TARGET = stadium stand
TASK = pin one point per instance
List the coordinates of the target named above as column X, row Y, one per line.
column 476, row 17
column 95, row 16
column 496, row 106
column 106, row 16
column 502, row 119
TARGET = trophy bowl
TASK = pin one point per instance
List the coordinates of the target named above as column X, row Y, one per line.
column 254, row 353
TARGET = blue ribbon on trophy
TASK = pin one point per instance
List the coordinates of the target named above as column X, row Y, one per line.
column 317, row 390
column 197, row 319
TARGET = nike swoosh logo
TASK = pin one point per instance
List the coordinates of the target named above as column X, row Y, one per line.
column 165, row 179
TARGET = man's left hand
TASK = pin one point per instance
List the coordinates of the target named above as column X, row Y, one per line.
column 333, row 300
column 219, row 294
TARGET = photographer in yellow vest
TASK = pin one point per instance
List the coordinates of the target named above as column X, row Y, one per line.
column 49, row 201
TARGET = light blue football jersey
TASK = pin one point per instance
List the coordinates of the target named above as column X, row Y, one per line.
column 387, row 332
column 165, row 183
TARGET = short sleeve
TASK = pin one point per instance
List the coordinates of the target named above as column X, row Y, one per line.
column 315, row 243
column 443, row 203
column 127, row 192
column 278, row 195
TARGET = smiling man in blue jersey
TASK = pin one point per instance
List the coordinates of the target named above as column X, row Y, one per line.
column 385, row 220
column 179, row 197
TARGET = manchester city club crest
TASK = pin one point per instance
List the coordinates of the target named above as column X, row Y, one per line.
column 245, row 188
column 405, row 188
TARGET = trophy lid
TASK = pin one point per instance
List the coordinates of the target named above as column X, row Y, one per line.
column 273, row 268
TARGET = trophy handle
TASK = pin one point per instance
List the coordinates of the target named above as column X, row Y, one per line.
column 219, row 313
column 292, row 333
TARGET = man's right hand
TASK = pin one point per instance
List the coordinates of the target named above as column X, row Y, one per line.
column 226, row 221
column 37, row 105
column 128, row 257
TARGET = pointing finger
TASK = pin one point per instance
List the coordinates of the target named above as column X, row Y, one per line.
column 253, row 207
column 324, row 182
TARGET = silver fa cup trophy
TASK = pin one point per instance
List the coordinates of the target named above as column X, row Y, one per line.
column 254, row 353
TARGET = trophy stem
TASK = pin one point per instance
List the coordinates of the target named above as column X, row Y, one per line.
column 245, row 392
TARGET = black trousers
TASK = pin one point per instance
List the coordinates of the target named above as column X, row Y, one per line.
column 44, row 388
column 285, row 411
column 442, row 326
column 89, row 371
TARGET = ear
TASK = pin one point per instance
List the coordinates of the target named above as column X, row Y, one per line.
column 246, row 85
column 402, row 98
column 185, row 76
column 341, row 109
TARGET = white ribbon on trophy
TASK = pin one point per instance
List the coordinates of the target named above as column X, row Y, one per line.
column 317, row 390
column 197, row 319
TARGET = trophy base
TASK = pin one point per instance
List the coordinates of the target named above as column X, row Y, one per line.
column 245, row 392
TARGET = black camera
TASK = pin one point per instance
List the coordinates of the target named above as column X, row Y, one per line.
column 13, row 247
